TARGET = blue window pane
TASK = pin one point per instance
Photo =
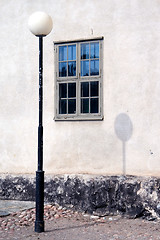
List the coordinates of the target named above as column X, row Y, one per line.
column 84, row 105
column 84, row 68
column 62, row 69
column 71, row 106
column 94, row 105
column 62, row 53
column 94, row 48
column 63, row 106
column 94, row 89
column 85, row 51
column 71, row 90
column 62, row 90
column 72, row 68
column 72, row 52
column 85, row 89
column 94, row 67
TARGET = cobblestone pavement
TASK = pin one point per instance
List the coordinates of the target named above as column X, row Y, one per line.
column 64, row 224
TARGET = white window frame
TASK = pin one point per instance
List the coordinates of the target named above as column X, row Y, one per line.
column 78, row 79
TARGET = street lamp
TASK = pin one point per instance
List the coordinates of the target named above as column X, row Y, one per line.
column 40, row 24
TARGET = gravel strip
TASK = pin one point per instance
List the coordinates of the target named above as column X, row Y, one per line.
column 51, row 212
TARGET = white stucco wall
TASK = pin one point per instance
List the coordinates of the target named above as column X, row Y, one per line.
column 131, row 85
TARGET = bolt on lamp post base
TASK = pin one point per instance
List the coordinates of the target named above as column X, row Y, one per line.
column 39, row 223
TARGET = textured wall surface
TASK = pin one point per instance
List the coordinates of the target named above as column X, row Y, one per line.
column 130, row 196
column 127, row 140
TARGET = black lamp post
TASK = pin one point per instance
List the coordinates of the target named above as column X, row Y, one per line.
column 40, row 24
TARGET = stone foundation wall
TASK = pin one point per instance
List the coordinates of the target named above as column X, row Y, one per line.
column 102, row 195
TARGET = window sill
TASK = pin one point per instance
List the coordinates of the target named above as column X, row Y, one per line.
column 80, row 118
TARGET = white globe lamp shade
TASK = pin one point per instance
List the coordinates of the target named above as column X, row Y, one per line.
column 40, row 24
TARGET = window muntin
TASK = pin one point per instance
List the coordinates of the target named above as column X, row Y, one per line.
column 67, row 98
column 67, row 61
column 79, row 80
column 89, row 59
column 90, row 97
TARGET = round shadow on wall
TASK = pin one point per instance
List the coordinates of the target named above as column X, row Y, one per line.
column 123, row 127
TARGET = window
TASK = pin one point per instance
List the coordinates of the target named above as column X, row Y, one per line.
column 78, row 80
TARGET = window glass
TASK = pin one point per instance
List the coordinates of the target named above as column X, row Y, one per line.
column 72, row 52
column 62, row 53
column 84, row 68
column 94, row 89
column 63, row 90
column 94, row 105
column 71, row 90
column 90, row 51
column 67, row 60
column 94, row 67
column 63, row 69
column 94, row 49
column 85, row 89
column 71, row 106
column 85, row 105
column 72, row 68
column 63, row 106
column 85, row 51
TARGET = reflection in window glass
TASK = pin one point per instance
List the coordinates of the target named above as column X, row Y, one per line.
column 94, row 89
column 67, row 60
column 84, row 105
column 85, row 89
column 94, row 105
column 72, row 68
column 85, row 51
column 71, row 90
column 84, row 68
column 62, row 69
column 62, row 53
column 94, row 67
column 94, row 48
column 90, row 51
column 72, row 52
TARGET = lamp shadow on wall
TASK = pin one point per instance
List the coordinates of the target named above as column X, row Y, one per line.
column 123, row 128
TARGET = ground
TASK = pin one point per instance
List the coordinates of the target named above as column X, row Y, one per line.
column 64, row 224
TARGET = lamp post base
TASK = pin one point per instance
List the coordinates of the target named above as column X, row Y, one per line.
column 39, row 226
column 39, row 223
